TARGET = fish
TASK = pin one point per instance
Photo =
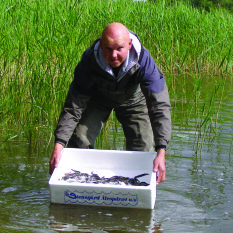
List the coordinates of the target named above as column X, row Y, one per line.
column 77, row 176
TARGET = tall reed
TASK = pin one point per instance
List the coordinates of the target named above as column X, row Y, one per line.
column 42, row 41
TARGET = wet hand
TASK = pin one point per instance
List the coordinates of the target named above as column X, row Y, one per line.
column 55, row 158
column 159, row 165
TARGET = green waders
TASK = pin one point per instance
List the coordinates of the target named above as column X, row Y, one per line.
column 133, row 116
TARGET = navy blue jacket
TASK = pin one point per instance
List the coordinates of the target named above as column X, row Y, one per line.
column 92, row 82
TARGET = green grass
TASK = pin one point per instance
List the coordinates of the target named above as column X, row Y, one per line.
column 42, row 41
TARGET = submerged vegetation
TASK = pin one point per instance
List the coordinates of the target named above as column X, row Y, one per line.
column 42, row 41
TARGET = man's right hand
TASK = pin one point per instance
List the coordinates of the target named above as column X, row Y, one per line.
column 56, row 157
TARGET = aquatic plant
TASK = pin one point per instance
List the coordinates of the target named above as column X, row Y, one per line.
column 41, row 43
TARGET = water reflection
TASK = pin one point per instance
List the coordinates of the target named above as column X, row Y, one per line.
column 101, row 219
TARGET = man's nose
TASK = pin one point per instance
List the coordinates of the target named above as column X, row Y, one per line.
column 114, row 53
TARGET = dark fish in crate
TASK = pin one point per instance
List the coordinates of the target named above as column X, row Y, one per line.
column 77, row 176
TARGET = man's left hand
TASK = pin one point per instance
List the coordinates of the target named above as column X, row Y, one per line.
column 159, row 165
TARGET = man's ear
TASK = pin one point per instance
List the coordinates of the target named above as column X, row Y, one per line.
column 130, row 43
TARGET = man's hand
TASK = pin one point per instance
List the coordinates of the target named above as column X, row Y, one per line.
column 159, row 165
column 55, row 158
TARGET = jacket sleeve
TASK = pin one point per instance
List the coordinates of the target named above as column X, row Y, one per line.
column 157, row 98
column 75, row 103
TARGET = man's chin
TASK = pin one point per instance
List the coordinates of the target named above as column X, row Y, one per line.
column 115, row 64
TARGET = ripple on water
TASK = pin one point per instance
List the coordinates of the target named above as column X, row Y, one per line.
column 9, row 189
column 34, row 197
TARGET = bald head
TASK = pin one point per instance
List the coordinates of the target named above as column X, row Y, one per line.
column 115, row 43
column 115, row 30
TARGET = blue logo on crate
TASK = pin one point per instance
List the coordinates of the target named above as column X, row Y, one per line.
column 102, row 198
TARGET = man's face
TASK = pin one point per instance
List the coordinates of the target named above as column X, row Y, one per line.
column 115, row 50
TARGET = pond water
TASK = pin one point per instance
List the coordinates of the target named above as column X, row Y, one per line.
column 197, row 195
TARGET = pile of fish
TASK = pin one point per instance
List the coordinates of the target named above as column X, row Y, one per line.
column 77, row 176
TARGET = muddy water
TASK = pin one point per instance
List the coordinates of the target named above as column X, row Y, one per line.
column 196, row 197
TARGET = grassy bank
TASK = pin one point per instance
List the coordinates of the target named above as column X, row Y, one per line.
column 42, row 41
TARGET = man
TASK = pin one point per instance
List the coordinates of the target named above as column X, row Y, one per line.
column 116, row 73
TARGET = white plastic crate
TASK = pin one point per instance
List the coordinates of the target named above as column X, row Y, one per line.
column 105, row 163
